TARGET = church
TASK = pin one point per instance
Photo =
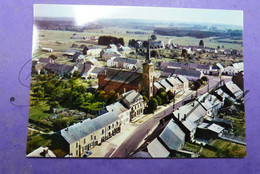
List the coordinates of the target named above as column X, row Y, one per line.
column 122, row 81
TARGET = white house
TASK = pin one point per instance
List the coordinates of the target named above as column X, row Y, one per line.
column 87, row 134
column 234, row 68
column 135, row 102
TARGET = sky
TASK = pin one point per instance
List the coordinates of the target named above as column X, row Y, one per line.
column 88, row 13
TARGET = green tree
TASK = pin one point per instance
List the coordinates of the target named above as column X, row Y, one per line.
column 159, row 100
column 170, row 95
column 152, row 104
column 204, row 78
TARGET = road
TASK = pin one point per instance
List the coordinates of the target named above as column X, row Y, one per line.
column 136, row 138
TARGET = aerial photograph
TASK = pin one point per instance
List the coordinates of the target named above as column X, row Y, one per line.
column 136, row 82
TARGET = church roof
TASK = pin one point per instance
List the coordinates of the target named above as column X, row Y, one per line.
column 122, row 76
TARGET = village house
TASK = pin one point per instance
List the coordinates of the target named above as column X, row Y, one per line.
column 41, row 152
column 93, row 51
column 86, row 134
column 107, row 53
column 60, row 69
column 77, row 56
column 47, row 50
column 188, row 117
column 234, row 69
column 211, row 103
column 208, row 131
column 125, row 63
column 172, row 137
column 120, row 110
column 134, row 102
column 157, row 45
column 190, row 74
column 203, row 68
column 85, row 68
column 217, row 69
column 175, row 84
column 157, row 150
column 232, row 90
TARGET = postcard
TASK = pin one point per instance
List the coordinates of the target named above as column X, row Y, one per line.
column 136, row 82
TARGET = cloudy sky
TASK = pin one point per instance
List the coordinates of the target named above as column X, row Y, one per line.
column 87, row 13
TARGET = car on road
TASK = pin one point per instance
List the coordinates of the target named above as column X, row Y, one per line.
column 87, row 154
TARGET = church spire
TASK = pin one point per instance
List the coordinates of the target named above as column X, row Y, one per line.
column 148, row 54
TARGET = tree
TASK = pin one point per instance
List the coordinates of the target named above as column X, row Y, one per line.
column 201, row 43
column 153, row 37
column 201, row 81
column 204, row 78
column 184, row 53
column 76, row 74
column 152, row 104
column 154, row 53
column 159, row 100
column 196, row 85
column 170, row 95
column 54, row 57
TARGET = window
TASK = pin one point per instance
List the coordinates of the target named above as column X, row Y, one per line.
column 91, row 137
column 117, row 123
column 112, row 125
column 109, row 127
column 76, row 145
column 102, row 131
column 95, row 137
column 84, row 141
column 76, row 152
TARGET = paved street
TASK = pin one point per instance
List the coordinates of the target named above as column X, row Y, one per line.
column 134, row 134
column 138, row 136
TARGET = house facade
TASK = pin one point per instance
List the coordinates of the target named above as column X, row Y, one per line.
column 87, row 134
column 134, row 102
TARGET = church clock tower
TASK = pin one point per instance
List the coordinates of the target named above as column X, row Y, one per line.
column 148, row 74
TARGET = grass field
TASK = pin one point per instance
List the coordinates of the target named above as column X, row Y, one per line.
column 221, row 148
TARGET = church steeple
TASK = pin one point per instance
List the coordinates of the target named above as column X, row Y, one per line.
column 148, row 74
column 148, row 54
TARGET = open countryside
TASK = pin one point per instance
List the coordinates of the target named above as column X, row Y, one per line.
column 135, row 88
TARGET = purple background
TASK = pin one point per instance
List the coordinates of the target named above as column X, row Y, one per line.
column 16, row 19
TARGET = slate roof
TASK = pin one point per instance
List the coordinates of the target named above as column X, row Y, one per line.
column 215, row 128
column 97, row 70
column 157, row 150
column 184, row 65
column 39, row 152
column 193, row 111
column 158, row 85
column 182, row 78
column 208, row 101
column 234, row 89
column 78, row 131
column 116, row 108
column 172, row 136
column 125, row 60
column 165, row 84
column 84, row 68
column 187, row 72
column 131, row 96
column 122, row 76
column 44, row 60
column 58, row 67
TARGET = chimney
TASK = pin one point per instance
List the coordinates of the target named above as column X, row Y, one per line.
column 185, row 116
column 124, row 90
column 66, row 129
column 105, row 72
column 210, row 98
column 193, row 104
